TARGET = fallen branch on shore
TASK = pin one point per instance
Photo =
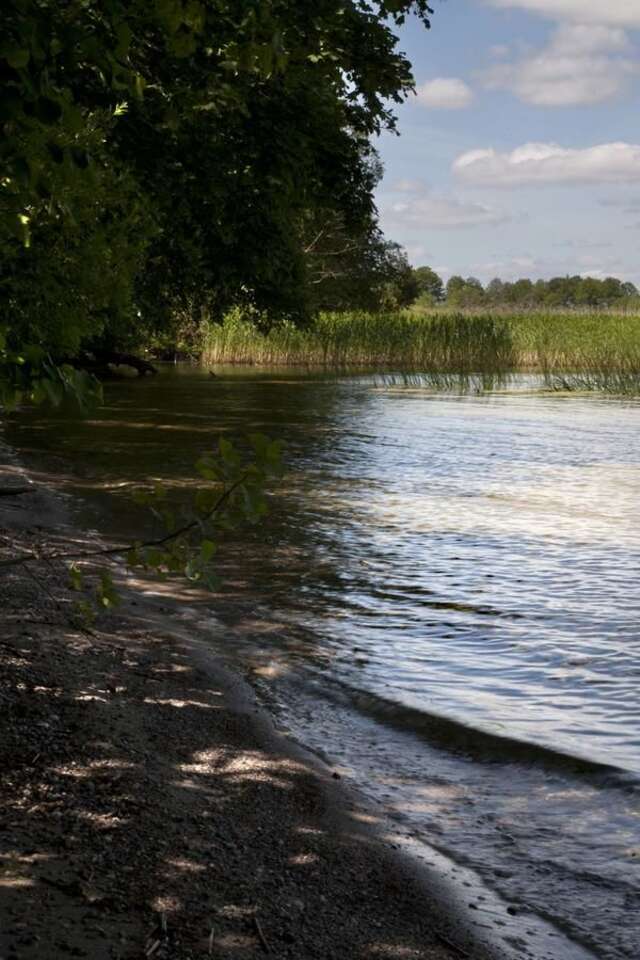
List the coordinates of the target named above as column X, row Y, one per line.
column 101, row 363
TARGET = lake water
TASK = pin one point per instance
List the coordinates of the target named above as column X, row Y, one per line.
column 444, row 603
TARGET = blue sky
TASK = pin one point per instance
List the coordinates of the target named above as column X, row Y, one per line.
column 520, row 155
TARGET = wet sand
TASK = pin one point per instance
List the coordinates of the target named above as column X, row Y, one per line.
column 150, row 808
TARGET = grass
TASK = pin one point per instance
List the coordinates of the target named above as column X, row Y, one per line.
column 578, row 351
column 590, row 351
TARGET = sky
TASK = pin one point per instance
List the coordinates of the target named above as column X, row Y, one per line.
column 520, row 154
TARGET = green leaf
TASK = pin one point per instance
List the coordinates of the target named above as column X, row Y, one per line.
column 207, row 468
column 207, row 550
column 16, row 57
column 75, row 576
column 54, row 391
column 33, row 353
column 259, row 442
column 106, row 592
column 228, row 452
column 124, row 36
column 155, row 557
column 192, row 570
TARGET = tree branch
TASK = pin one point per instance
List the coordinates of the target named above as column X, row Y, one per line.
column 125, row 548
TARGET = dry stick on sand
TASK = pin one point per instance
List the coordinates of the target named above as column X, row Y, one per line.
column 261, row 936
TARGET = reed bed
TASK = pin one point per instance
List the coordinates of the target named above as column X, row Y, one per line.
column 585, row 351
column 579, row 351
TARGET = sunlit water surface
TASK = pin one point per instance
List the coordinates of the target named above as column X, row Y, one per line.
column 444, row 602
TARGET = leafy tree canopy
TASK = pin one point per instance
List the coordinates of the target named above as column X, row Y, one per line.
column 576, row 291
column 158, row 153
column 430, row 285
column 348, row 262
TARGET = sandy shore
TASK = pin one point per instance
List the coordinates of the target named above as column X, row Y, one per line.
column 149, row 807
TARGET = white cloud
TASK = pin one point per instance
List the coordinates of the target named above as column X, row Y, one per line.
column 499, row 51
column 419, row 208
column 581, row 64
column 445, row 93
column 541, row 163
column 622, row 13
column 409, row 186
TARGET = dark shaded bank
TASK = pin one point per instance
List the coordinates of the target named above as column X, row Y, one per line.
column 149, row 808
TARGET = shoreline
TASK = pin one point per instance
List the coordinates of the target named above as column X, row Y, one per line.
column 149, row 675
column 150, row 807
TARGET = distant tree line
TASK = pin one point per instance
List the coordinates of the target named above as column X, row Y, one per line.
column 569, row 291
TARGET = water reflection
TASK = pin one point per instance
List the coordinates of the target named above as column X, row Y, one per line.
column 481, row 551
column 429, row 556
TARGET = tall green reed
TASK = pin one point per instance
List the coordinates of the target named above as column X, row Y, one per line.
column 578, row 351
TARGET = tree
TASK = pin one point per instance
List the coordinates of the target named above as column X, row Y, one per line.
column 556, row 292
column 355, row 268
column 474, row 292
column 588, row 292
column 159, row 153
column 523, row 292
column 464, row 293
column 495, row 291
column 455, row 287
column 539, row 291
column 430, row 285
column 400, row 288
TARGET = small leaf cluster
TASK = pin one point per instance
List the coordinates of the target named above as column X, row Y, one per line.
column 30, row 374
column 234, row 494
column 99, row 595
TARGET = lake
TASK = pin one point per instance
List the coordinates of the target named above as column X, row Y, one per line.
column 444, row 603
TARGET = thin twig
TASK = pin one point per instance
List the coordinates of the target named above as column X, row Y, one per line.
column 42, row 585
column 125, row 548
column 261, row 936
